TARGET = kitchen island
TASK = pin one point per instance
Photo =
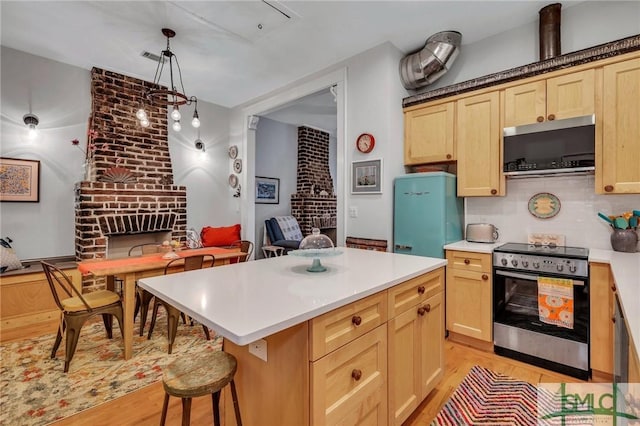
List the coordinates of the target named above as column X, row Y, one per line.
column 334, row 341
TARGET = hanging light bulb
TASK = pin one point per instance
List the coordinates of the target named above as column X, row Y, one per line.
column 196, row 120
column 32, row 122
column 175, row 114
column 144, row 122
column 177, row 126
column 141, row 114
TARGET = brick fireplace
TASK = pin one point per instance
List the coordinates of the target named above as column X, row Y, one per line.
column 314, row 203
column 148, row 202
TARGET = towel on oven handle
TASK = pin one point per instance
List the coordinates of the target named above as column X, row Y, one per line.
column 555, row 301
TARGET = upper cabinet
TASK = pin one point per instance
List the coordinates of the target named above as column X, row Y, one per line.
column 479, row 137
column 618, row 141
column 429, row 134
column 565, row 96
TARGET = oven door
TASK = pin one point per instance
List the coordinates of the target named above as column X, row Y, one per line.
column 515, row 305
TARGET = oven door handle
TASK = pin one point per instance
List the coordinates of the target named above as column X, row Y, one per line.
column 517, row 275
column 530, row 277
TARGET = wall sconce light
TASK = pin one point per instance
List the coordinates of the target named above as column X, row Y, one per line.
column 31, row 121
column 199, row 145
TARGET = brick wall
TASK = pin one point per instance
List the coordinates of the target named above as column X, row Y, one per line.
column 119, row 138
column 308, row 205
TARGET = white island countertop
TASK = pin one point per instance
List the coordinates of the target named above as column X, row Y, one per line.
column 248, row 301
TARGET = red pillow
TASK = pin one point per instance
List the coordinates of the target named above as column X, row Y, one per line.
column 222, row 236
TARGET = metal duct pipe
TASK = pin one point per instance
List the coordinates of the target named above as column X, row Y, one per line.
column 422, row 68
column 549, row 31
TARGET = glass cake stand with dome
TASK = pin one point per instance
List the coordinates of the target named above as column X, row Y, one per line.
column 316, row 246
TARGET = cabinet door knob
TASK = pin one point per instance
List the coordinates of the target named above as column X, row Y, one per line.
column 467, row 261
column 613, row 320
column 448, row 156
column 540, row 119
column 421, row 311
column 608, row 188
column 421, row 289
column 494, row 191
column 428, row 307
column 356, row 320
column 485, row 277
column 551, row 117
column 356, row 374
column 613, row 288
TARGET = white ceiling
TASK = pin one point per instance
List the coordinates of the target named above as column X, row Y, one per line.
column 225, row 58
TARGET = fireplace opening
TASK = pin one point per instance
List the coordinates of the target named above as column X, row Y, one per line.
column 118, row 245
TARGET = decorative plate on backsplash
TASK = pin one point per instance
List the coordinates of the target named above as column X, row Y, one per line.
column 118, row 175
column 544, row 205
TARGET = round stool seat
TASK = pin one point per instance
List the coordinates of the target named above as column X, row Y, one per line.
column 199, row 375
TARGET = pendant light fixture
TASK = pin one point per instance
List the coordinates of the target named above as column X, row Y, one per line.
column 170, row 97
column 31, row 121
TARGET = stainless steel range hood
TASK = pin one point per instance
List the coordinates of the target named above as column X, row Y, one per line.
column 557, row 147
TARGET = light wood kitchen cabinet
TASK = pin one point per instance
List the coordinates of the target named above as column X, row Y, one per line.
column 565, row 96
column 478, row 141
column 349, row 385
column 601, row 298
column 416, row 344
column 429, row 134
column 618, row 140
column 469, row 295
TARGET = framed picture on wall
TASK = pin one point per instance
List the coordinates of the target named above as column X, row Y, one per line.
column 19, row 180
column 267, row 190
column 366, row 177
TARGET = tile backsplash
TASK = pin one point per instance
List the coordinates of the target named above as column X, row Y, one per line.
column 577, row 219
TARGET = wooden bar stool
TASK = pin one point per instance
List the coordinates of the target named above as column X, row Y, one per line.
column 199, row 375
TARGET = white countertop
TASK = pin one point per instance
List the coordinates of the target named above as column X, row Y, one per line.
column 626, row 273
column 248, row 301
column 473, row 247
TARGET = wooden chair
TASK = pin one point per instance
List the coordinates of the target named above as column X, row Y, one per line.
column 77, row 308
column 245, row 246
column 193, row 262
column 143, row 297
column 204, row 373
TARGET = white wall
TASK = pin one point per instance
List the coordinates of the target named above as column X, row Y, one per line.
column 276, row 157
column 59, row 95
column 577, row 219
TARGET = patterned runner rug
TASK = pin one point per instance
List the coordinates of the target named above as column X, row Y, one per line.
column 34, row 390
column 488, row 398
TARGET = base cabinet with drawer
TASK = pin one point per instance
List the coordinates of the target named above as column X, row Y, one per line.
column 469, row 294
column 370, row 362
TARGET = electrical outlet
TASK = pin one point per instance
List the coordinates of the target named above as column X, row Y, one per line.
column 353, row 212
column 259, row 349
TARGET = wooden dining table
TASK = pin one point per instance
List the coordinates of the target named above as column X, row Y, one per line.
column 131, row 269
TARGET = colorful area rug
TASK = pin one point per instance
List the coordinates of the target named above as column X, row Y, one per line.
column 488, row 398
column 34, row 390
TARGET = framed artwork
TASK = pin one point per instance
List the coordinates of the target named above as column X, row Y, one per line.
column 19, row 180
column 366, row 177
column 267, row 190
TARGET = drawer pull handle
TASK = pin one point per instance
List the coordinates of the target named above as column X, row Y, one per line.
column 485, row 277
column 494, row 191
column 421, row 289
column 356, row 320
column 608, row 188
column 356, row 374
column 467, row 261
column 421, row 311
column 448, row 156
column 428, row 308
column 540, row 119
column 551, row 117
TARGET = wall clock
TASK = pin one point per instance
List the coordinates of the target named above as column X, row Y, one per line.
column 365, row 143
column 237, row 165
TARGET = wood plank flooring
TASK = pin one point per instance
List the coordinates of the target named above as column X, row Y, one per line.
column 143, row 407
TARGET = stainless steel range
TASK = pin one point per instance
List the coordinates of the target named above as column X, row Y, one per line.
column 541, row 306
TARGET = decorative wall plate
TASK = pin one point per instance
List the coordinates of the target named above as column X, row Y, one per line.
column 544, row 205
column 237, row 165
column 233, row 151
column 233, row 180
